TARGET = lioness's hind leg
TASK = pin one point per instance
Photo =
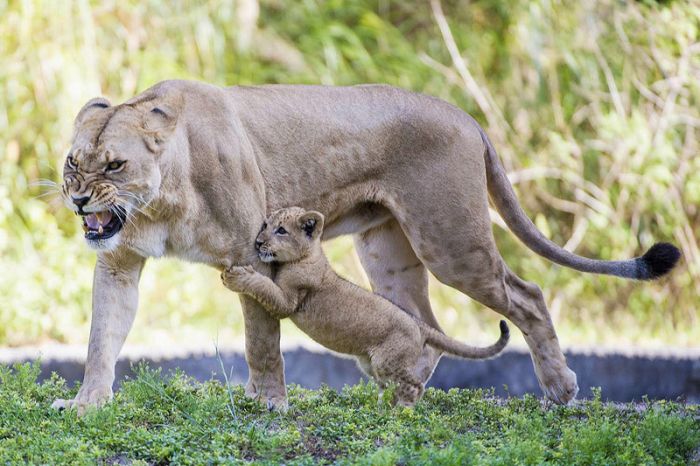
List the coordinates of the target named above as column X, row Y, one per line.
column 529, row 312
column 500, row 289
column 523, row 303
column 396, row 273
column 455, row 241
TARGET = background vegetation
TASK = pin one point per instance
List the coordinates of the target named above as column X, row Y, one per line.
column 593, row 106
column 178, row 421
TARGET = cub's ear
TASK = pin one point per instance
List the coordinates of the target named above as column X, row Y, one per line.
column 158, row 124
column 311, row 223
column 93, row 105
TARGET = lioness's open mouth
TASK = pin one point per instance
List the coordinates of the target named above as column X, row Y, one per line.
column 102, row 225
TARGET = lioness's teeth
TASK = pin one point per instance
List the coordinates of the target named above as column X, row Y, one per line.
column 100, row 230
column 99, row 216
column 85, row 228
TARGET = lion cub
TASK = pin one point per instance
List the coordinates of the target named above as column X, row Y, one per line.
column 345, row 318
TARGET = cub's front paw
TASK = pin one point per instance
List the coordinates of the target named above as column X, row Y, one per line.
column 85, row 399
column 235, row 277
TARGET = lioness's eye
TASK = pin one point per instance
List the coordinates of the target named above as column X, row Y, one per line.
column 116, row 165
column 281, row 231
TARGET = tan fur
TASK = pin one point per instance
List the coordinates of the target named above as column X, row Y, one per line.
column 338, row 314
column 407, row 174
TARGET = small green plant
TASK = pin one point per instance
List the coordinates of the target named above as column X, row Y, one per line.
column 155, row 419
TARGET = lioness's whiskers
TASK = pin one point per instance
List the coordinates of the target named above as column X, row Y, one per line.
column 44, row 182
column 54, row 188
column 126, row 215
column 133, row 206
column 140, row 205
column 48, row 193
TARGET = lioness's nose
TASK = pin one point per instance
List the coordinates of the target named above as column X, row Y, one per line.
column 258, row 243
column 80, row 201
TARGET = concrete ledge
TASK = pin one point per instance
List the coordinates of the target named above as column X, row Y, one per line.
column 622, row 376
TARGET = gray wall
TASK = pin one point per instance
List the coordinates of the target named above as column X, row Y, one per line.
column 622, row 377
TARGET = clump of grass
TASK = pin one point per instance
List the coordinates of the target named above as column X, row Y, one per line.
column 157, row 420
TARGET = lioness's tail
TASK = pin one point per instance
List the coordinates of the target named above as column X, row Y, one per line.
column 657, row 261
column 450, row 345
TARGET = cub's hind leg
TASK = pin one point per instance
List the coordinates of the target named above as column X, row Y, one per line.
column 409, row 388
column 365, row 365
column 395, row 362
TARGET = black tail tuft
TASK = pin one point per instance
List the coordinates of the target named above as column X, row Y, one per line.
column 658, row 261
column 505, row 331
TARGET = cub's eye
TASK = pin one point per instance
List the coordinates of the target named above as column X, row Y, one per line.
column 116, row 165
column 264, row 227
column 70, row 161
column 281, row 231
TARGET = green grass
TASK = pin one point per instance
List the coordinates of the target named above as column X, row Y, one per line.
column 161, row 420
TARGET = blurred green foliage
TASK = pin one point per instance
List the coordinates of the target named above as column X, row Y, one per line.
column 592, row 105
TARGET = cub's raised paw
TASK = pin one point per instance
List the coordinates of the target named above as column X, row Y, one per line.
column 234, row 277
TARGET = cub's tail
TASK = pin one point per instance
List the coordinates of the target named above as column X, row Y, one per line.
column 450, row 345
column 657, row 261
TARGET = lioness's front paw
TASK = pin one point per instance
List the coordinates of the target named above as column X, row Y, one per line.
column 276, row 402
column 85, row 399
column 234, row 277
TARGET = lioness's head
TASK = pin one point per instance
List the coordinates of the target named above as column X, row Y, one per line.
column 289, row 235
column 112, row 169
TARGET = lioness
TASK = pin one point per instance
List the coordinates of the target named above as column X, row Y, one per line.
column 337, row 314
column 189, row 170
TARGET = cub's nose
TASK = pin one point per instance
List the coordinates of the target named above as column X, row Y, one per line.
column 80, row 201
column 258, row 243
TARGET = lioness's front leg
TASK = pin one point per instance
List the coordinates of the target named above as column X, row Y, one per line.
column 114, row 304
column 261, row 288
column 263, row 355
column 262, row 345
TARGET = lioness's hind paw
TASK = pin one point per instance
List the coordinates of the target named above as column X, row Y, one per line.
column 563, row 389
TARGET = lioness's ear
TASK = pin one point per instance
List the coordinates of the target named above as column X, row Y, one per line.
column 158, row 124
column 93, row 105
column 311, row 223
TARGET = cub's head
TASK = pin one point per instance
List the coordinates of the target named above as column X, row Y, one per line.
column 289, row 235
column 112, row 169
